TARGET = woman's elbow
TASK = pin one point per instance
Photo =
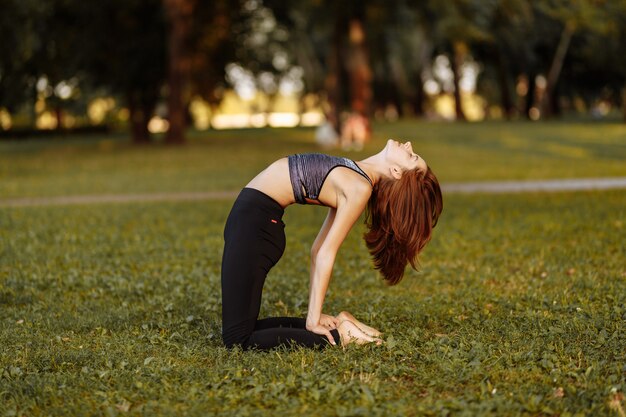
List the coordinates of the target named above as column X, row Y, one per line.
column 323, row 257
column 314, row 251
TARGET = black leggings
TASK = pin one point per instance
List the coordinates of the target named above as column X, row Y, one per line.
column 254, row 240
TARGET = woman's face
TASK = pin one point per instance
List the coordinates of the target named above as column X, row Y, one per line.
column 402, row 154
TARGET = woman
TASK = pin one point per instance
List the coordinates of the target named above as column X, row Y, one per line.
column 403, row 202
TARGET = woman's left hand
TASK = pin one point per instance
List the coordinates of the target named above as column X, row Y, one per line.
column 329, row 322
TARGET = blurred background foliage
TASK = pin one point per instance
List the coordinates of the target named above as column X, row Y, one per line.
column 161, row 66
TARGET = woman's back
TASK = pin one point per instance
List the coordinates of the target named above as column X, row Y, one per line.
column 339, row 180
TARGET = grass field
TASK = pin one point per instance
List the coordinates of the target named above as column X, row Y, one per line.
column 226, row 160
column 113, row 309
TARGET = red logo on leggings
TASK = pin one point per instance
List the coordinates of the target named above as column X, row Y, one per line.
column 274, row 221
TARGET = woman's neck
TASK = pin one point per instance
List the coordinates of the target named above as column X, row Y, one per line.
column 375, row 167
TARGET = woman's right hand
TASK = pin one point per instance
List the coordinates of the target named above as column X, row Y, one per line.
column 329, row 322
column 321, row 330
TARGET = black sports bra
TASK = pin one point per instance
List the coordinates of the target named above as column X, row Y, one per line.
column 309, row 171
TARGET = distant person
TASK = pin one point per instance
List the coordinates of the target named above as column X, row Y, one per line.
column 326, row 136
column 355, row 131
column 403, row 202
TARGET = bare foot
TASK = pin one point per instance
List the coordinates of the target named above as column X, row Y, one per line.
column 370, row 331
column 350, row 333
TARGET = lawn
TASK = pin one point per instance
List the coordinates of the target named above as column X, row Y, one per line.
column 113, row 309
column 226, row 160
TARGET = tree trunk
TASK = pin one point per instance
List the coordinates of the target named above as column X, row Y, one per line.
column 419, row 103
column 396, row 99
column 624, row 102
column 179, row 14
column 58, row 114
column 359, row 71
column 333, row 82
column 456, row 61
column 555, row 104
column 555, row 69
column 139, row 118
column 419, row 109
column 503, row 79
column 530, row 95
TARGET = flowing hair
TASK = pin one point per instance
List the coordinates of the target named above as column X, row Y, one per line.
column 401, row 215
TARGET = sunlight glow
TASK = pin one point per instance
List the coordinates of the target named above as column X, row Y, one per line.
column 534, row 113
column 201, row 113
column 43, row 87
column 283, row 119
column 5, row 120
column 158, row 125
column 242, row 81
column 541, row 81
column 432, row 87
column 473, row 106
column 312, row 118
column 444, row 77
column 258, row 120
column 442, row 71
column 521, row 88
column 444, row 106
column 277, row 119
column 230, row 121
column 97, row 109
column 63, row 90
column 46, row 121
column 469, row 76
column 123, row 115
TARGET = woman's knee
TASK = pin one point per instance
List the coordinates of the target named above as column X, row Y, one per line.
column 236, row 337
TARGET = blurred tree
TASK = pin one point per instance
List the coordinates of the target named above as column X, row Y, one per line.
column 333, row 49
column 180, row 21
column 198, row 51
column 401, row 47
column 420, row 43
column 594, row 72
column 507, row 49
column 358, row 67
column 212, row 47
column 57, row 58
column 336, row 80
column 459, row 24
column 360, row 55
column 118, row 46
column 262, row 52
column 573, row 16
column 123, row 52
column 19, row 20
column 42, row 62
column 348, row 75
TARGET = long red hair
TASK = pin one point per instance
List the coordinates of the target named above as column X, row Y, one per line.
column 401, row 215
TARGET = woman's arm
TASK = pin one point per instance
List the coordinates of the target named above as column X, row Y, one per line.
column 330, row 217
column 332, row 234
column 329, row 322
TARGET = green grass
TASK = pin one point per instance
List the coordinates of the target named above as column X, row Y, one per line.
column 114, row 309
column 226, row 160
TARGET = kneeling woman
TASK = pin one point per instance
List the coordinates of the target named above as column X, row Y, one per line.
column 403, row 202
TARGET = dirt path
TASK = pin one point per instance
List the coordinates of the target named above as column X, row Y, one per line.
column 488, row 187
column 557, row 185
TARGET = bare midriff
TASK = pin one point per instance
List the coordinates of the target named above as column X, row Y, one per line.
column 274, row 181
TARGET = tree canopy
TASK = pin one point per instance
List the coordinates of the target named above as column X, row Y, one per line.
column 362, row 57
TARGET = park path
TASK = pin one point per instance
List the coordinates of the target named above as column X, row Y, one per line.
column 486, row 187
